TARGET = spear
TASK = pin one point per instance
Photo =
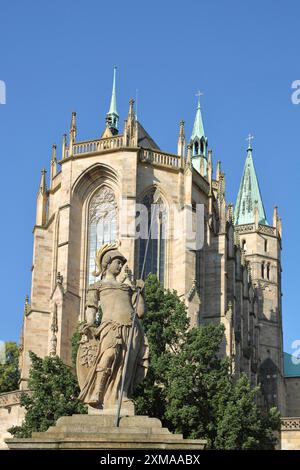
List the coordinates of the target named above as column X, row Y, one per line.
column 130, row 339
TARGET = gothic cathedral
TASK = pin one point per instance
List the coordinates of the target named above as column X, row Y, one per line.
column 234, row 278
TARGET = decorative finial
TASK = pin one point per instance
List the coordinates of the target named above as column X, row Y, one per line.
column 53, row 165
column 131, row 114
column 218, row 171
column 72, row 133
column 64, row 146
column 181, row 143
column 136, row 104
column 189, row 154
column 73, row 121
column 53, row 157
column 43, row 184
column 249, row 138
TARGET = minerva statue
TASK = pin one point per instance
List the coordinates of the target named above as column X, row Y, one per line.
column 102, row 350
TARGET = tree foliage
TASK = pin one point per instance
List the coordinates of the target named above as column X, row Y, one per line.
column 53, row 393
column 9, row 368
column 190, row 387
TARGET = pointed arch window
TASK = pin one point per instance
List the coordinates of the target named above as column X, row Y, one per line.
column 102, row 224
column 263, row 269
column 156, row 253
column 202, row 147
column 196, row 147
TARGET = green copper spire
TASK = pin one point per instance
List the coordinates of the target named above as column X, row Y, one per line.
column 112, row 117
column 198, row 129
column 249, row 195
column 199, row 142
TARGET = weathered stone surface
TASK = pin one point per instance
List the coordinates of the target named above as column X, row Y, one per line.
column 290, row 434
column 100, row 432
column 127, row 409
column 11, row 414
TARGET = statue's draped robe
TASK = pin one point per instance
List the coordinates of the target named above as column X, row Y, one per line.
column 112, row 335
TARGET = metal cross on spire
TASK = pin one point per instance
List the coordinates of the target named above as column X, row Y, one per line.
column 249, row 138
column 198, row 94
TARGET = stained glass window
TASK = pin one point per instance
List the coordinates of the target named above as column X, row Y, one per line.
column 156, row 253
column 102, row 224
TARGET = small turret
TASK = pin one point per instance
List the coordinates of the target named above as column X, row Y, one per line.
column 277, row 221
column 72, row 133
column 41, row 210
column 189, row 155
column 64, row 146
column 218, row 172
column 130, row 127
column 53, row 168
column 181, row 141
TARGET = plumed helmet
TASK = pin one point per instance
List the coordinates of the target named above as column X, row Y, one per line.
column 106, row 254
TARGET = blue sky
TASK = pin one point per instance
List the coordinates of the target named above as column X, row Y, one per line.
column 57, row 57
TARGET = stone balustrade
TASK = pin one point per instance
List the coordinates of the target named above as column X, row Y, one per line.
column 246, row 228
column 97, row 145
column 290, row 424
column 267, row 229
column 159, row 158
column 115, row 142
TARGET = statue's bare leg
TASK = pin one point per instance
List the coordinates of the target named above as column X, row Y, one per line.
column 103, row 373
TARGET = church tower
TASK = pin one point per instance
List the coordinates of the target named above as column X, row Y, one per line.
column 261, row 247
column 199, row 142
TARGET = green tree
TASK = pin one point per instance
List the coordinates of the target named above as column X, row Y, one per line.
column 9, row 368
column 165, row 324
column 189, row 386
column 53, row 393
column 198, row 383
column 242, row 425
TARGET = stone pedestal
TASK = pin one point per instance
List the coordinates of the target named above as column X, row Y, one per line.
column 100, row 432
column 127, row 409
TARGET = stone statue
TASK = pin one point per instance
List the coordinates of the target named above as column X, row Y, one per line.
column 102, row 350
